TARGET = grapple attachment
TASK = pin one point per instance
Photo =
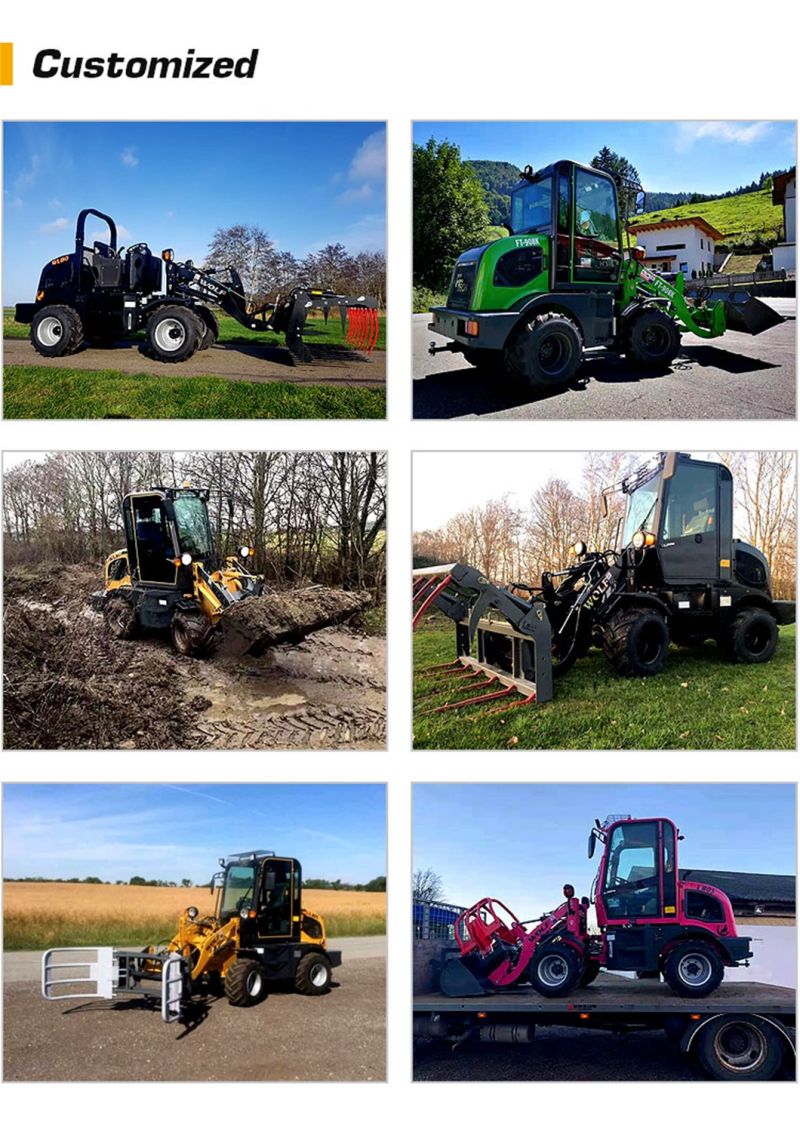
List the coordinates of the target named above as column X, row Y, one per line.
column 359, row 317
column 744, row 313
column 512, row 639
column 362, row 325
column 254, row 624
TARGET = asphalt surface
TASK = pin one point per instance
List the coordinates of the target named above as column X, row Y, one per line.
column 339, row 1036
column 734, row 376
column 253, row 363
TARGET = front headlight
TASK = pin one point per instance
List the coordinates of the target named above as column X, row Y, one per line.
column 638, row 540
column 192, row 912
column 578, row 548
column 244, row 552
column 186, row 559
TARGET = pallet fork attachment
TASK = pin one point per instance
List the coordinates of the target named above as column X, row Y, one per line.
column 511, row 636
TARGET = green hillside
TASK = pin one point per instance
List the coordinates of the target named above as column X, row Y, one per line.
column 743, row 219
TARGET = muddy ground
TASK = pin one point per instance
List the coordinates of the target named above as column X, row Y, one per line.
column 67, row 684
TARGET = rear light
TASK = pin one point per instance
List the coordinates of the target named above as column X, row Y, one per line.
column 471, row 328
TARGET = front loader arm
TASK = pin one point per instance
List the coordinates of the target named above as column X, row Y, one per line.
column 705, row 320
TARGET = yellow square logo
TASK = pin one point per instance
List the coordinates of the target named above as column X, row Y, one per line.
column 6, row 64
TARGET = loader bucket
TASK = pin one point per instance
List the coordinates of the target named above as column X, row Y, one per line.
column 255, row 624
column 744, row 313
column 456, row 979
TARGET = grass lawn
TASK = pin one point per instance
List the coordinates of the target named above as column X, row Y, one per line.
column 697, row 702
column 42, row 392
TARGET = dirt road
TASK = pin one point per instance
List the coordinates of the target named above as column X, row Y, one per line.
column 340, row 1036
column 69, row 685
column 254, row 363
column 734, row 376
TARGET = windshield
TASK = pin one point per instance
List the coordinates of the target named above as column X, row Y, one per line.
column 631, row 884
column 531, row 207
column 641, row 509
column 194, row 531
column 237, row 893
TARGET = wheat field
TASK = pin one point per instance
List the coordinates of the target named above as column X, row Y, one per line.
column 36, row 915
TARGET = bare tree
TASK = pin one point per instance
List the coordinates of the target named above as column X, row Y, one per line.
column 427, row 886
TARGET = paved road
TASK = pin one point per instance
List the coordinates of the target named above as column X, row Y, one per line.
column 253, row 363
column 736, row 376
column 340, row 1036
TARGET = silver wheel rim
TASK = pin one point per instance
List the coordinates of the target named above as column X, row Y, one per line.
column 553, row 970
column 169, row 334
column 118, row 617
column 49, row 331
column 695, row 970
column 740, row 1047
column 319, row 975
column 253, row 983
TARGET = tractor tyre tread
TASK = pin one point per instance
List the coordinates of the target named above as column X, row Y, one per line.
column 131, row 628
column 733, row 642
column 766, row 1065
column 302, row 978
column 634, row 344
column 73, row 336
column 191, row 635
column 236, row 983
column 521, row 352
column 616, row 643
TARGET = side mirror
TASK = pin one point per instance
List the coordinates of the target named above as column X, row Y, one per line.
column 592, row 843
column 640, row 203
column 605, row 504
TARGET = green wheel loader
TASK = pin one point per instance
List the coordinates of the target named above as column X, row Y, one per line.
column 530, row 304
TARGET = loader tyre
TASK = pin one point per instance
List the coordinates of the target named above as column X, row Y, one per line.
column 313, row 975
column 191, row 635
column 636, row 641
column 245, row 983
column 751, row 638
column 693, row 969
column 119, row 614
column 590, row 973
column 544, row 353
column 556, row 969
column 651, row 340
column 209, row 329
column 740, row 1046
column 173, row 334
column 56, row 330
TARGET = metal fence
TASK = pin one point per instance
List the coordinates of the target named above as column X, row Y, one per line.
column 434, row 920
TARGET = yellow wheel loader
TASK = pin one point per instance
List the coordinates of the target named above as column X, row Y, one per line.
column 258, row 935
column 169, row 577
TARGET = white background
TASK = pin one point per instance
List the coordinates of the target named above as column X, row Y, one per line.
column 403, row 62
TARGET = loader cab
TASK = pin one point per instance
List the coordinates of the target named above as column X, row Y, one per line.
column 164, row 529
column 577, row 208
column 682, row 509
column 638, row 874
column 265, row 891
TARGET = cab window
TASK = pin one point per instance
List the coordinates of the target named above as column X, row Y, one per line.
column 596, row 241
column 692, row 505
column 631, row 883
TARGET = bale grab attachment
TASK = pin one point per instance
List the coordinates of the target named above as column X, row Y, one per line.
column 512, row 639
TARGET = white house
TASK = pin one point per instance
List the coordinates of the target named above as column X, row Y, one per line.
column 783, row 194
column 674, row 246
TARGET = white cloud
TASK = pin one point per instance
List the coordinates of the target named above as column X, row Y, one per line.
column 27, row 178
column 55, row 204
column 59, row 224
column 356, row 195
column 728, row 132
column 367, row 169
column 128, row 157
column 101, row 234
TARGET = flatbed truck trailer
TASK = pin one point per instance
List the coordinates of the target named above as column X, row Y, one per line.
column 743, row 1031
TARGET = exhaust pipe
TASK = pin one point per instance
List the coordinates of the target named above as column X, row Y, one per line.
column 507, row 1033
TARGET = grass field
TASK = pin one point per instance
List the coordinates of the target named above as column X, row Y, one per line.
column 697, row 702
column 36, row 391
column 36, row 916
column 750, row 214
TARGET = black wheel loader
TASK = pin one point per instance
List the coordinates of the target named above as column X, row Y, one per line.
column 675, row 574
column 169, row 577
column 99, row 295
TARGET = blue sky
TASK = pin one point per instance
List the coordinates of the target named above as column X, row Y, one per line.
column 173, row 183
column 522, row 843
column 678, row 156
column 172, row 832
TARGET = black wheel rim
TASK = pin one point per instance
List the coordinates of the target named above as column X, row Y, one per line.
column 656, row 339
column 555, row 352
column 757, row 637
column 649, row 643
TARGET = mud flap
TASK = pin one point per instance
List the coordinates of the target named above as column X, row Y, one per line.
column 744, row 313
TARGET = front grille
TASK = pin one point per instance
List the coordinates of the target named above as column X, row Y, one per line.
column 462, row 285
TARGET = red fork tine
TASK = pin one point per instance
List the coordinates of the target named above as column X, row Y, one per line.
column 376, row 328
column 364, row 328
column 351, row 326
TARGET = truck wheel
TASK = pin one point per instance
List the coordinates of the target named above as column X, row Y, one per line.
column 120, row 617
column 56, row 330
column 245, row 983
column 313, row 975
column 545, row 353
column 173, row 334
column 751, row 638
column 556, row 970
column 651, row 339
column 740, row 1047
column 191, row 634
column 693, row 969
column 635, row 642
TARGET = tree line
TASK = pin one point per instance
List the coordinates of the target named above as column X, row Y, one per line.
column 377, row 884
column 516, row 542
column 311, row 516
column 267, row 271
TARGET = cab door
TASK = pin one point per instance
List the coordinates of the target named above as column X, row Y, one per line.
column 278, row 908
column 595, row 229
column 689, row 539
column 151, row 548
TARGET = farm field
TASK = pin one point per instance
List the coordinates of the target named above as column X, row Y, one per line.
column 696, row 702
column 38, row 915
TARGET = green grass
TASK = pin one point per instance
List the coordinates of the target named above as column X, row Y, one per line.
column 697, row 702
column 44, row 392
column 739, row 218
